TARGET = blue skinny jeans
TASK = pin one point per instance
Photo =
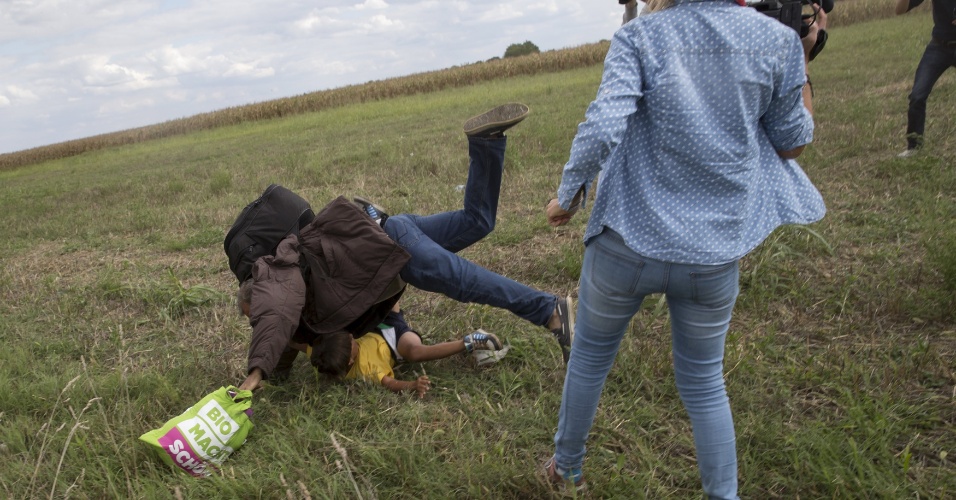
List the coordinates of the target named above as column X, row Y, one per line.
column 434, row 240
column 614, row 282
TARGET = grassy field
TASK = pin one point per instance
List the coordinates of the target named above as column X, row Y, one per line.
column 116, row 310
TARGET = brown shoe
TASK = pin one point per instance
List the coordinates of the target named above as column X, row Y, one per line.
column 494, row 122
column 566, row 479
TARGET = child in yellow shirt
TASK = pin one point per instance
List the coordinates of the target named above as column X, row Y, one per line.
column 373, row 356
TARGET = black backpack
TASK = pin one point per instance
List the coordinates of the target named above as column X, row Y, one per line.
column 262, row 225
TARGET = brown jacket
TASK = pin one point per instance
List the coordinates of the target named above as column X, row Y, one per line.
column 349, row 283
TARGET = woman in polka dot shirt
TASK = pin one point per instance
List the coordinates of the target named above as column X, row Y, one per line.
column 701, row 110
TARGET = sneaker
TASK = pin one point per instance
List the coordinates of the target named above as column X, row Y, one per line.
column 493, row 123
column 909, row 153
column 565, row 332
column 481, row 340
column 374, row 211
column 490, row 357
column 565, row 478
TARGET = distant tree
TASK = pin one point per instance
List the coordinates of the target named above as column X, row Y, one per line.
column 521, row 49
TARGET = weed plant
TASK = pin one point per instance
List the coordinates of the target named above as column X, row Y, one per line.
column 116, row 311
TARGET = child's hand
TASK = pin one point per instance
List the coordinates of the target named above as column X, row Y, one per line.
column 422, row 385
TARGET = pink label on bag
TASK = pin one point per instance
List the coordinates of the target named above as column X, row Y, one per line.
column 176, row 446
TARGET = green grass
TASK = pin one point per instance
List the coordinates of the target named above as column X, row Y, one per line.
column 116, row 310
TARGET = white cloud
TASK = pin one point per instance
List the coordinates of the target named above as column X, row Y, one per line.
column 101, row 77
column 501, row 13
column 372, row 4
column 174, row 62
column 326, row 20
column 338, row 68
column 94, row 66
column 124, row 105
column 549, row 6
column 248, row 70
column 380, row 23
column 28, row 19
column 178, row 95
column 21, row 94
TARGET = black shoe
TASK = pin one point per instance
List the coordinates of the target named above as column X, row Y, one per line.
column 493, row 123
column 374, row 211
column 565, row 332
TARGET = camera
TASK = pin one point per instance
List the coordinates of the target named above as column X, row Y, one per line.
column 791, row 13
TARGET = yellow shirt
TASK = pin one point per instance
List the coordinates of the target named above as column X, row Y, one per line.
column 374, row 361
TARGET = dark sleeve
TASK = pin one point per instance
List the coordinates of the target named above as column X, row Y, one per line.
column 278, row 296
column 396, row 320
column 914, row 4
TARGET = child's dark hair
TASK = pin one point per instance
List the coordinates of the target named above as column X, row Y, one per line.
column 331, row 353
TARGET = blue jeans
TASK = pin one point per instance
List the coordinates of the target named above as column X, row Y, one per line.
column 937, row 58
column 434, row 240
column 614, row 282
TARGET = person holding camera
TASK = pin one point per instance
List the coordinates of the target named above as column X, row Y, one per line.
column 632, row 9
column 940, row 55
column 701, row 110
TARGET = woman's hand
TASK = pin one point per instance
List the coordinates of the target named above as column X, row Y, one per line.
column 557, row 216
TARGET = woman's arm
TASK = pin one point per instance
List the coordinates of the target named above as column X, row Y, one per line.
column 808, row 42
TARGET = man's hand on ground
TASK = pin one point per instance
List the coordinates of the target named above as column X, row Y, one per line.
column 253, row 381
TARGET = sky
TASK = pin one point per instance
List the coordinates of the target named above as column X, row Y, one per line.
column 75, row 68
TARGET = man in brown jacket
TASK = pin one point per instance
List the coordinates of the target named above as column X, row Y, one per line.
column 355, row 253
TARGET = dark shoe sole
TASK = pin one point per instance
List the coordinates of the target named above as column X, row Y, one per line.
column 496, row 121
column 565, row 333
column 358, row 200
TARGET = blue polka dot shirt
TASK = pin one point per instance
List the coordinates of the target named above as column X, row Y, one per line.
column 694, row 104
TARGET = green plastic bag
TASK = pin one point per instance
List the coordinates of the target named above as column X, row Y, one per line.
column 206, row 434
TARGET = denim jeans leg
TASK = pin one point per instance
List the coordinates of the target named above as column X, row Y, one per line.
column 932, row 65
column 459, row 229
column 614, row 281
column 701, row 301
column 608, row 297
column 435, row 269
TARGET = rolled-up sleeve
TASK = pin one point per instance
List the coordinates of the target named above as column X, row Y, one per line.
column 278, row 296
column 787, row 122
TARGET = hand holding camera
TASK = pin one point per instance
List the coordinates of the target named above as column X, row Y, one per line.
column 813, row 34
column 806, row 17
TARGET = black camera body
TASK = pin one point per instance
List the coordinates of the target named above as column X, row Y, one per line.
column 790, row 12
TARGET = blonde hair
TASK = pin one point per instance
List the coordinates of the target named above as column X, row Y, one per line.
column 656, row 5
